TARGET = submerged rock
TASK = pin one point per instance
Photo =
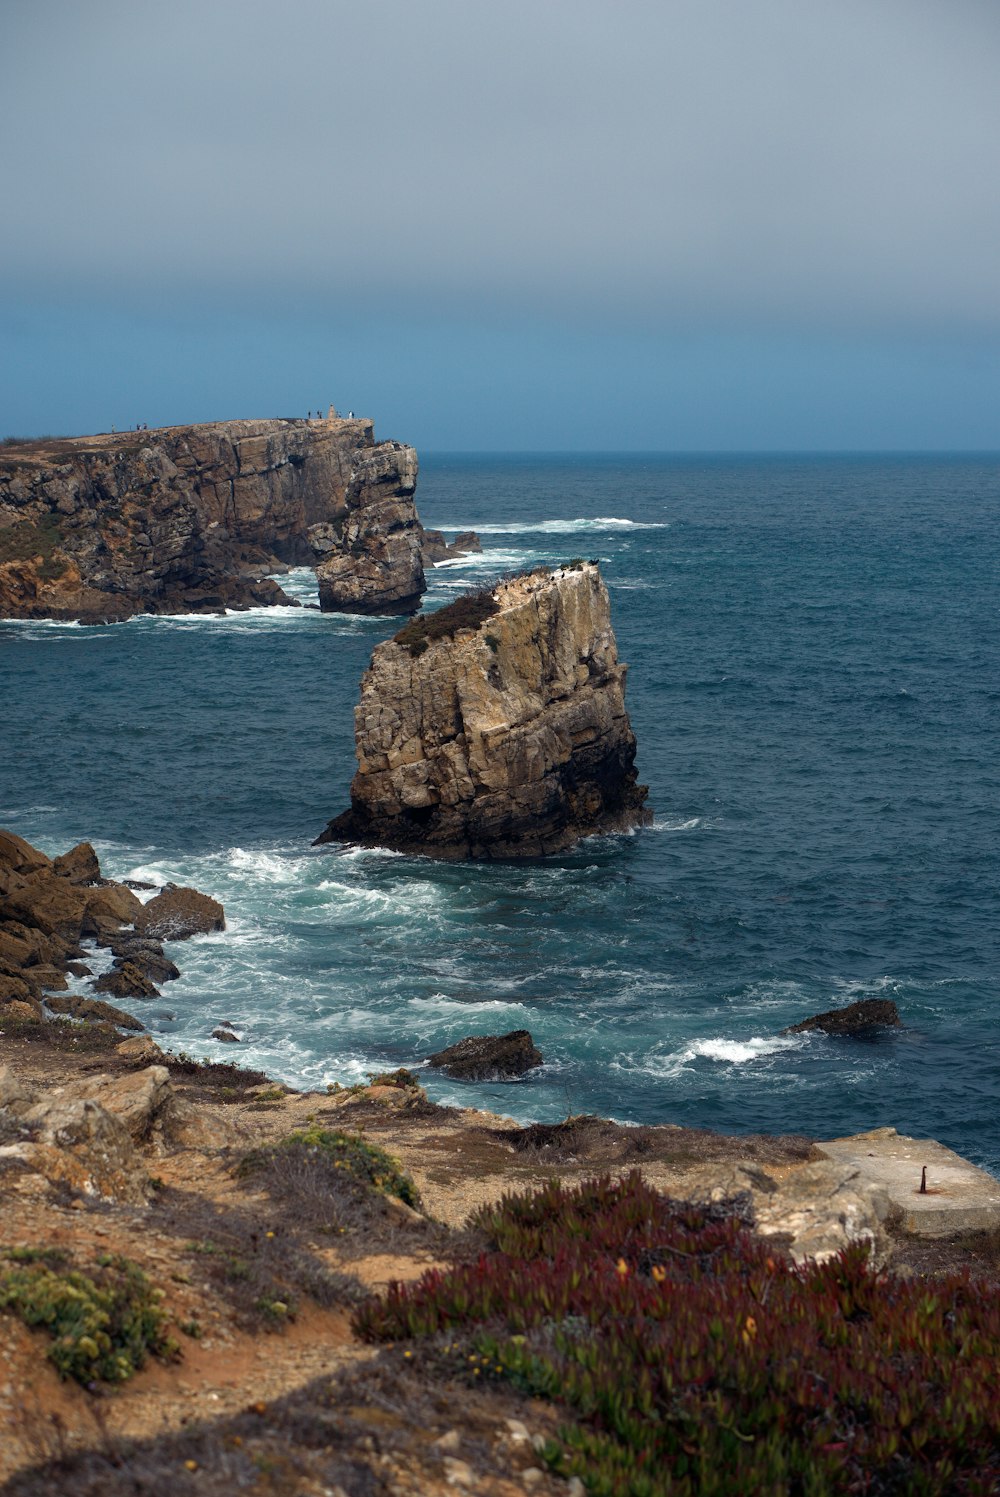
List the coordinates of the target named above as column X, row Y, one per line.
column 857, row 1018
column 496, row 727
column 489, row 1057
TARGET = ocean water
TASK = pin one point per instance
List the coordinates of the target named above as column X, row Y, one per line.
column 813, row 649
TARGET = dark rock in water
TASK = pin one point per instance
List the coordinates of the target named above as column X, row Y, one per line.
column 146, row 954
column 177, row 913
column 496, row 727
column 435, row 548
column 856, row 1018
column 226, row 1034
column 79, row 969
column 93, row 1008
column 125, row 981
column 489, row 1057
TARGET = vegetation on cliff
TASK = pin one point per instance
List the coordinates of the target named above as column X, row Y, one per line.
column 692, row 1359
column 470, row 611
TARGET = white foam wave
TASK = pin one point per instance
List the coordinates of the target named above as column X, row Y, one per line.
column 440, row 1003
column 718, row 1049
column 562, row 527
column 268, row 867
column 497, row 558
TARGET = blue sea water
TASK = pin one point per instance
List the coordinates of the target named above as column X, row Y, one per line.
column 813, row 649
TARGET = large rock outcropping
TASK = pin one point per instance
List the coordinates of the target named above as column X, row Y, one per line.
column 48, row 906
column 192, row 518
column 496, row 727
column 376, row 564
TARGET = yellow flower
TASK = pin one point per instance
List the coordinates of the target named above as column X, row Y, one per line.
column 749, row 1329
column 659, row 1272
column 622, row 1267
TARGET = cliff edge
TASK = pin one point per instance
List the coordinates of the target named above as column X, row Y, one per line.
column 190, row 519
column 496, row 727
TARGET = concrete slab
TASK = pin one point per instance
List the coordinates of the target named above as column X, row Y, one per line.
column 959, row 1196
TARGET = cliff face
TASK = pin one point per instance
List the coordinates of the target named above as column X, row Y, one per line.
column 377, row 565
column 191, row 518
column 496, row 728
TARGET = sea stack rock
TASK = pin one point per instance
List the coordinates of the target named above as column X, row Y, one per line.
column 192, row 519
column 496, row 727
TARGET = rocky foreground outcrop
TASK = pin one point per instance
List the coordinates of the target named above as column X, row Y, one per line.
column 48, row 906
column 191, row 519
column 496, row 727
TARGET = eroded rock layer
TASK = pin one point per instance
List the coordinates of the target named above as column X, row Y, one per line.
column 496, row 728
column 192, row 518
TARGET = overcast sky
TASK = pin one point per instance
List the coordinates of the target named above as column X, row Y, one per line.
column 659, row 224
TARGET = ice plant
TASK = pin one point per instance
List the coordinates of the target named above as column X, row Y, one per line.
column 692, row 1361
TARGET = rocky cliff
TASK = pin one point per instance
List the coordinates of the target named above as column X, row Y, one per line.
column 496, row 727
column 192, row 518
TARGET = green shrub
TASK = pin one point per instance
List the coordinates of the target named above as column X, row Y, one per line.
column 696, row 1363
column 103, row 1323
column 363, row 1163
column 22, row 541
column 470, row 611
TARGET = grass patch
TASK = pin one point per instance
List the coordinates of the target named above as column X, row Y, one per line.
column 256, row 1261
column 103, row 1323
column 693, row 1361
column 61, row 1035
column 23, row 541
column 217, row 1080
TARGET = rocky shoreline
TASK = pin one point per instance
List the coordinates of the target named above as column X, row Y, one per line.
column 115, row 1152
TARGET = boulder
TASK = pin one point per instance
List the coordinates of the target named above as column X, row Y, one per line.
column 435, row 548
column 177, row 913
column 137, row 1098
column 496, row 727
column 78, row 1007
column 23, row 1008
column 146, row 954
column 111, row 904
column 225, row 1034
column 815, row 1209
column 143, row 1050
column 19, row 855
column 79, row 865
column 48, row 903
column 15, row 989
column 77, row 1142
column 125, row 981
column 15, row 1096
column 489, row 1057
column 857, row 1018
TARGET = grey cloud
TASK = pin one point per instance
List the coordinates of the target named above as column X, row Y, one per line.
column 749, row 161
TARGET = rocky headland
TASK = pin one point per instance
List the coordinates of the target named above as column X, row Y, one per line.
column 191, row 519
column 496, row 727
